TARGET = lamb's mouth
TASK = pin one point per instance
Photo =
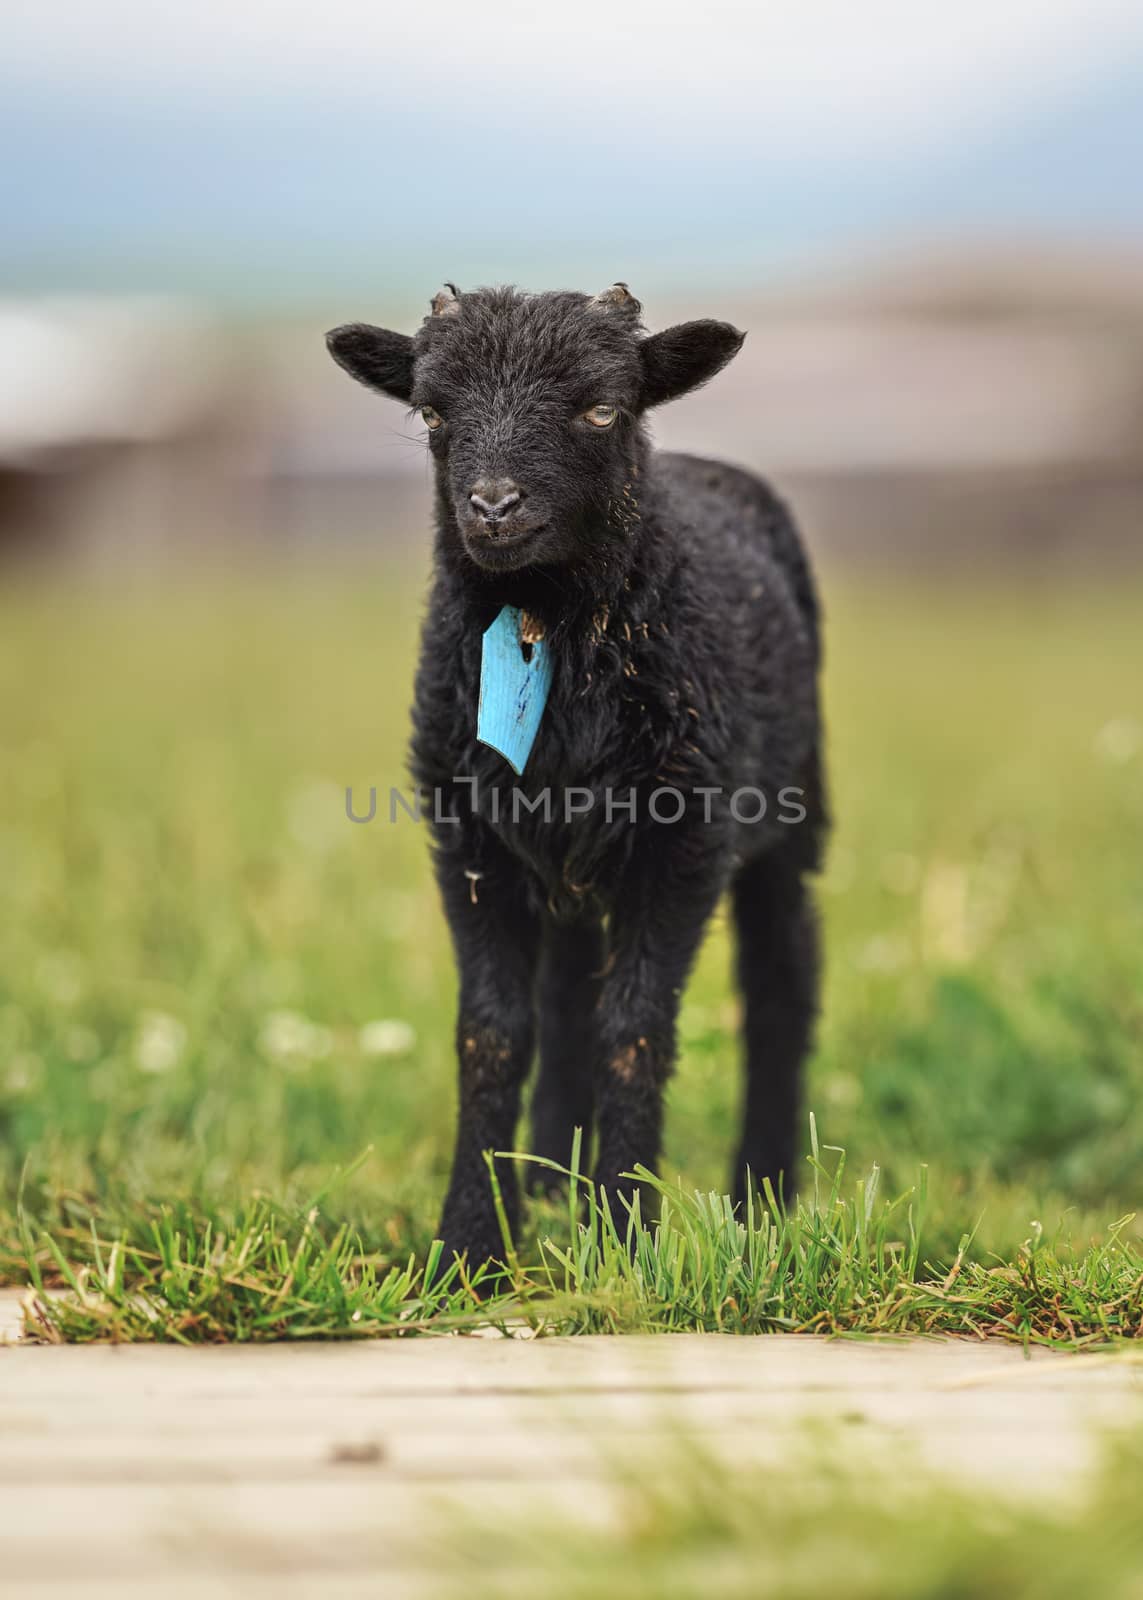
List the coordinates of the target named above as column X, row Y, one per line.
column 504, row 550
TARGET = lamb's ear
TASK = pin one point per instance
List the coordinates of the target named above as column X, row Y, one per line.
column 375, row 357
column 680, row 358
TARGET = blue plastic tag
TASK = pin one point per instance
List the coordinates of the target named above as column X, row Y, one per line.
column 513, row 692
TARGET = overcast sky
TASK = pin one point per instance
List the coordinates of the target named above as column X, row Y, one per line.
column 827, row 72
column 148, row 130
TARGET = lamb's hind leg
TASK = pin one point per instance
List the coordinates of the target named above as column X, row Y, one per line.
column 778, row 976
column 571, row 970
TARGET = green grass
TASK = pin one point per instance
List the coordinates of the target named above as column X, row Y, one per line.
column 195, row 943
column 837, row 1261
column 831, row 1522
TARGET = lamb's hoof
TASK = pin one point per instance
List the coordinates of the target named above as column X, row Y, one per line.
column 482, row 1260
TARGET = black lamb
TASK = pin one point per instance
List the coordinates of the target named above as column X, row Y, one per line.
column 677, row 755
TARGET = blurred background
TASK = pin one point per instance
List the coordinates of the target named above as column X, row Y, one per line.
column 930, row 222
column 212, row 548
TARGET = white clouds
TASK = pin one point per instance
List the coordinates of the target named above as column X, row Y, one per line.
column 824, row 74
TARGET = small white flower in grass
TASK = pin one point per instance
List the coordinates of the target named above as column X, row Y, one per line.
column 388, row 1037
column 23, row 1071
column 291, row 1040
column 159, row 1043
column 1118, row 740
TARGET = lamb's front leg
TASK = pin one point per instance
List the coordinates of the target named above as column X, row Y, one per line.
column 656, row 931
column 571, row 967
column 496, row 936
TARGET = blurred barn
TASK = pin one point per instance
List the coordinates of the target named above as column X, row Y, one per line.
column 942, row 410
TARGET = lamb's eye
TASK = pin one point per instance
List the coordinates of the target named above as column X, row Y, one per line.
column 601, row 416
column 432, row 419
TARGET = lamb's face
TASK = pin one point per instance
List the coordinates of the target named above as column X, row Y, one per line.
column 532, row 406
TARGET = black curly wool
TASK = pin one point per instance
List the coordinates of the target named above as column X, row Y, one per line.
column 678, row 607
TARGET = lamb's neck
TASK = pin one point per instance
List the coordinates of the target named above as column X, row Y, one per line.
column 565, row 601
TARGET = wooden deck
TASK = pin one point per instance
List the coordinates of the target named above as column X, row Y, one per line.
column 329, row 1470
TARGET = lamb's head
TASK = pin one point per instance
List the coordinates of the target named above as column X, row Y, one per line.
column 533, row 405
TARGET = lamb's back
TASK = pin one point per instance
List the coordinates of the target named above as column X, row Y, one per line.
column 736, row 526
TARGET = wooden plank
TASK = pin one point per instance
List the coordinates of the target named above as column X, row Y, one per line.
column 584, row 1364
column 319, row 1432
column 148, row 1530
column 324, row 1468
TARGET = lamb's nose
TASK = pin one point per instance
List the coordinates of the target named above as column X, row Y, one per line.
column 493, row 499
